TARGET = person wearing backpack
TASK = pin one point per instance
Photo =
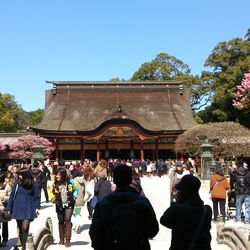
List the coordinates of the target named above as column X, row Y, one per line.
column 124, row 219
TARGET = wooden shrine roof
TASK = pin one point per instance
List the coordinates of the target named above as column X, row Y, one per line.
column 78, row 107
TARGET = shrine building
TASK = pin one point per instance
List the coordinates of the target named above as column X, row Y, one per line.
column 106, row 119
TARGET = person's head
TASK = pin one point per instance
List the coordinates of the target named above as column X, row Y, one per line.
column 14, row 169
column 25, row 177
column 61, row 162
column 102, row 163
column 75, row 173
column 218, row 169
column 88, row 172
column 8, row 174
column 61, row 175
column 122, row 175
column 189, row 187
column 178, row 167
column 36, row 164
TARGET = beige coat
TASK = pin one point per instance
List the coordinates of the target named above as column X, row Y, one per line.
column 5, row 190
column 80, row 183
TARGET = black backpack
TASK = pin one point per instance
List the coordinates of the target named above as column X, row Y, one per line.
column 124, row 222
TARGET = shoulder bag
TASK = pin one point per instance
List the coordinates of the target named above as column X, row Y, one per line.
column 198, row 229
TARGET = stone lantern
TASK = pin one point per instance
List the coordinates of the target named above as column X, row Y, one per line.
column 38, row 151
column 206, row 158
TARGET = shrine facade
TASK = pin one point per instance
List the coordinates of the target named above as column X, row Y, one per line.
column 125, row 120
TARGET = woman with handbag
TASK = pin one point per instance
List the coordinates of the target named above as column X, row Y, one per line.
column 5, row 190
column 25, row 189
column 63, row 192
column 218, row 190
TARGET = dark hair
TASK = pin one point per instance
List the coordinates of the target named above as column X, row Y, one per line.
column 63, row 173
column 218, row 169
column 2, row 177
column 7, row 172
column 122, row 175
column 36, row 164
column 61, row 162
column 27, row 180
column 75, row 173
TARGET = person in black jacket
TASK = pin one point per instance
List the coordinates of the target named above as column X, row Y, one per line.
column 240, row 181
column 124, row 219
column 37, row 175
column 45, row 176
column 184, row 217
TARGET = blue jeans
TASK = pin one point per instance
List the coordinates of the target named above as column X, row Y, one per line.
column 240, row 199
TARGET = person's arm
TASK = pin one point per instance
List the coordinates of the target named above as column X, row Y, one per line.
column 232, row 181
column 147, row 217
column 168, row 218
column 7, row 193
column 51, row 192
column 227, row 186
column 11, row 199
column 97, row 230
column 74, row 188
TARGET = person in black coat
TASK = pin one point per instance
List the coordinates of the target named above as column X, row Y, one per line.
column 44, row 177
column 102, row 186
column 24, row 203
column 124, row 219
column 240, row 182
column 184, row 216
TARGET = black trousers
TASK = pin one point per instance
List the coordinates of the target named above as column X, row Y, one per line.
column 45, row 190
column 5, row 232
column 217, row 202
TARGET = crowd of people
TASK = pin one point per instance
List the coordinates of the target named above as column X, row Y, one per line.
column 121, row 214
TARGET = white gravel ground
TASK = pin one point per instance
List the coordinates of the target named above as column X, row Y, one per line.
column 156, row 189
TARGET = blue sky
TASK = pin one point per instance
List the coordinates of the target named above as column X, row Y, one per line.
column 99, row 40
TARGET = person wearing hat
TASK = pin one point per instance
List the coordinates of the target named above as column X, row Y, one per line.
column 124, row 219
column 175, row 177
column 188, row 218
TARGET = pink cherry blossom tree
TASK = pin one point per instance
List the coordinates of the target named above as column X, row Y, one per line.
column 242, row 96
column 22, row 148
column 2, row 147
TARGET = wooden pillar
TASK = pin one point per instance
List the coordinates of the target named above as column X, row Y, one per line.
column 82, row 150
column 98, row 151
column 142, row 151
column 107, row 149
column 156, row 149
column 57, row 152
column 132, row 152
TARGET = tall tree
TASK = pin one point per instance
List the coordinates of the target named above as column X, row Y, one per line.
column 35, row 116
column 229, row 61
column 12, row 116
column 165, row 67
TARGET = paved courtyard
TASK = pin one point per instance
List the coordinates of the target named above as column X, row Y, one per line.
column 156, row 189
